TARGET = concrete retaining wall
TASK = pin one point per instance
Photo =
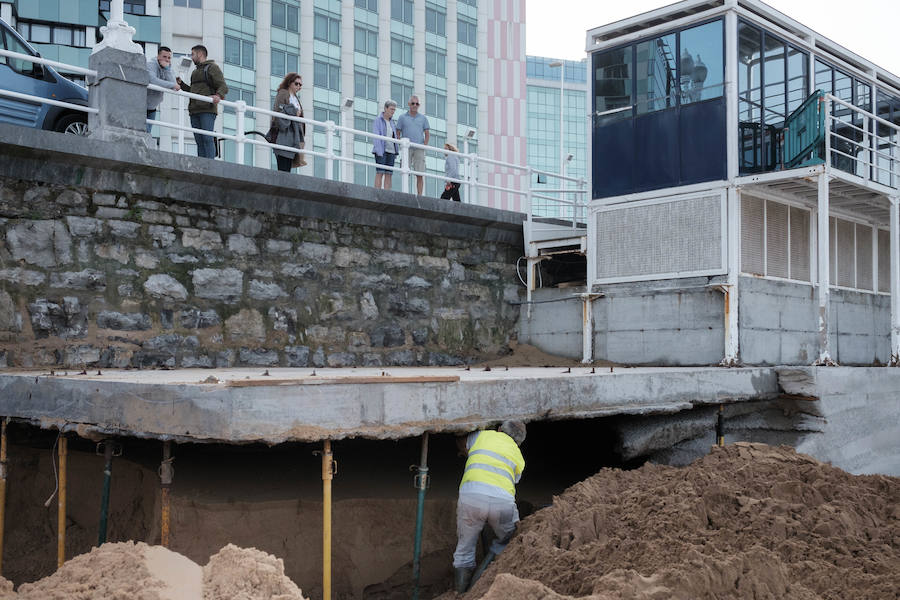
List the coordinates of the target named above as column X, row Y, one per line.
column 779, row 325
column 114, row 255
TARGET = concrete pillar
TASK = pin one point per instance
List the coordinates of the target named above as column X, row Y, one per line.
column 895, row 281
column 732, row 331
column 824, row 265
column 119, row 91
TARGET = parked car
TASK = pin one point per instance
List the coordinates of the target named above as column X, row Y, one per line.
column 30, row 78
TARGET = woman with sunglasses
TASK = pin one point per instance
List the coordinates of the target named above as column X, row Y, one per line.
column 290, row 133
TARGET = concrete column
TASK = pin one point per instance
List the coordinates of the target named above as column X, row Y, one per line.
column 119, row 91
column 587, row 323
column 732, row 331
column 895, row 281
column 824, row 264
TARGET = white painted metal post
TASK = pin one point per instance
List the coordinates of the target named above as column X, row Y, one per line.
column 474, row 179
column 895, row 281
column 404, row 164
column 346, row 144
column 587, row 327
column 731, row 93
column 241, row 109
column 562, row 130
column 329, row 149
column 823, row 235
column 181, row 112
column 732, row 330
column 467, row 169
column 529, row 265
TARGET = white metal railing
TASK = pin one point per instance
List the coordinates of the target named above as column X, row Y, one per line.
column 570, row 205
column 855, row 146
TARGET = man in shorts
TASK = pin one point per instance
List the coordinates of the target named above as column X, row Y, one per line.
column 414, row 125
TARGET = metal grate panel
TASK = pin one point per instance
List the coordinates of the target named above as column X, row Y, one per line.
column 863, row 257
column 752, row 235
column 800, row 244
column 884, row 261
column 776, row 239
column 832, row 250
column 666, row 238
column 846, row 261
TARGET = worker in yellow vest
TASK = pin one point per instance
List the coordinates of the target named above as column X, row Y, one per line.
column 487, row 495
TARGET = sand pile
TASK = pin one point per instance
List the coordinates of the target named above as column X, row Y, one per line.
column 247, row 574
column 136, row 571
column 748, row 521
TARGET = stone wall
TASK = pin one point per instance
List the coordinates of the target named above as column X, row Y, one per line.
column 117, row 256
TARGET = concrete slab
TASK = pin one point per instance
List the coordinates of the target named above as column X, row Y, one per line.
column 242, row 405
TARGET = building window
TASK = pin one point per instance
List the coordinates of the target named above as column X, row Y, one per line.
column 284, row 62
column 189, row 3
column 401, row 91
column 467, row 32
column 436, row 104
column 132, row 7
column 327, row 28
column 42, row 33
column 327, row 73
column 467, row 113
column 237, row 91
column 467, row 71
column 326, row 114
column 469, row 2
column 365, row 84
column 435, row 20
column 657, row 81
column 365, row 40
column 245, row 8
column 239, row 52
column 702, row 68
column 402, row 51
column 285, row 16
column 402, row 10
column 435, row 61
column 369, row 5
column 612, row 84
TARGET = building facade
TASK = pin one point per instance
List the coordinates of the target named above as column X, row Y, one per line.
column 545, row 106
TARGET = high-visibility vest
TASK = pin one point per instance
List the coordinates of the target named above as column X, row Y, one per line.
column 496, row 460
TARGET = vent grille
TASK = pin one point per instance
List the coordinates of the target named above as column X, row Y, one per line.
column 863, row 257
column 884, row 261
column 776, row 239
column 800, row 244
column 752, row 235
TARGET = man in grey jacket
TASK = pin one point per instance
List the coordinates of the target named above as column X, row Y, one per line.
column 160, row 69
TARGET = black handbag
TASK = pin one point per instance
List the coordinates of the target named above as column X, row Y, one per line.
column 272, row 134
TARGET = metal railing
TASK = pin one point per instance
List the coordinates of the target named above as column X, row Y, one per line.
column 50, row 63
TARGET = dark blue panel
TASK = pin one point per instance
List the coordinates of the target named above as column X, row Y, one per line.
column 613, row 154
column 703, row 147
column 656, row 163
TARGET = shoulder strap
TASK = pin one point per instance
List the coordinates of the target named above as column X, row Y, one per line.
column 206, row 77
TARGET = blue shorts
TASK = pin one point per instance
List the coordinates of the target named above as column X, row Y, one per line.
column 387, row 159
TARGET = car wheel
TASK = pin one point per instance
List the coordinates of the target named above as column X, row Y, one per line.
column 74, row 124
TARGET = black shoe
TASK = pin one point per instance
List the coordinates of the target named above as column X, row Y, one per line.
column 462, row 577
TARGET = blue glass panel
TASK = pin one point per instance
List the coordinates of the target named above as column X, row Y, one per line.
column 702, row 62
column 656, row 150
column 702, row 139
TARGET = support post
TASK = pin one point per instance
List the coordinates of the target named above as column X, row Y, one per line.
column 895, row 281
column 241, row 111
column 824, row 264
column 3, row 425
column 61, row 502
column 107, row 480
column 329, row 150
column 166, row 474
column 732, row 330
column 329, row 468
column 421, row 484
column 404, row 165
column 587, row 328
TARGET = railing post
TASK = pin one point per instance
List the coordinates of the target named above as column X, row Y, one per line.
column 346, row 141
column 467, row 168
column 181, row 112
column 826, row 109
column 240, row 109
column 329, row 149
column 404, row 164
column 474, row 179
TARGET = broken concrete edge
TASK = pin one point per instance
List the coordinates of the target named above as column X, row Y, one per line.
column 279, row 414
column 60, row 159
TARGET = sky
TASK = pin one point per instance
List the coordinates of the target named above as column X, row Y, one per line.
column 557, row 28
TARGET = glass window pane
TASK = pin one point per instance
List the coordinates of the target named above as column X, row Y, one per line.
column 278, row 69
column 62, row 35
column 702, row 63
column 612, row 83
column 656, row 83
column 232, row 50
column 40, row 33
column 749, row 73
column 233, row 6
column 278, row 15
column 774, row 103
column 824, row 74
column 293, row 18
column 195, row 3
column 250, row 9
column 798, row 68
column 249, row 54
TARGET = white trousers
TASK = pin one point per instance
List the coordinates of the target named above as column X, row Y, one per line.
column 473, row 512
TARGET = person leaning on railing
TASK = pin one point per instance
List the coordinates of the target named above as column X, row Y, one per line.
column 206, row 80
column 385, row 152
column 160, row 71
column 290, row 133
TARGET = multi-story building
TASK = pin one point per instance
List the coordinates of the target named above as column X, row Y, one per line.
column 66, row 30
column 556, row 97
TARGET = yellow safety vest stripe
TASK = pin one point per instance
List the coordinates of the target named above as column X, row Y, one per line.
column 494, row 459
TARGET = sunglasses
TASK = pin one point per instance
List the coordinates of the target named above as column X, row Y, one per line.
column 413, row 103
column 298, row 83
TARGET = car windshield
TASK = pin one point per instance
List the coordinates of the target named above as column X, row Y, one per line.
column 13, row 44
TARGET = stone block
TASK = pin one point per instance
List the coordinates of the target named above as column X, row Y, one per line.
column 125, row 229
column 367, row 306
column 165, row 287
column 194, row 318
column 417, row 282
column 351, row 257
column 246, row 325
column 279, row 247
column 101, row 199
column 23, row 276
column 387, row 336
column 433, row 262
column 260, row 290
column 226, row 285
column 146, row 261
column 10, row 318
column 116, row 252
column 317, row 253
column 109, row 212
column 260, row 357
column 401, row 358
column 201, row 239
column 249, row 227
column 242, row 245
column 84, row 226
column 40, row 243
column 297, row 356
column 81, row 356
column 155, row 216
column 394, row 260
column 67, row 320
column 88, row 279
column 163, row 236
column 123, row 321
column 340, row 359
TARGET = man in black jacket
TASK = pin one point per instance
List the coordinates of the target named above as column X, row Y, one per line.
column 206, row 80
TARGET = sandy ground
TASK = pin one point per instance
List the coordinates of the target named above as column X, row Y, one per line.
column 748, row 521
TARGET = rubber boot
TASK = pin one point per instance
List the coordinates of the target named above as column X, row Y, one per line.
column 488, row 558
column 462, row 577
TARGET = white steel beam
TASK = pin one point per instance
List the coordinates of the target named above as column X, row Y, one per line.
column 732, row 330
column 895, row 281
column 822, row 259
